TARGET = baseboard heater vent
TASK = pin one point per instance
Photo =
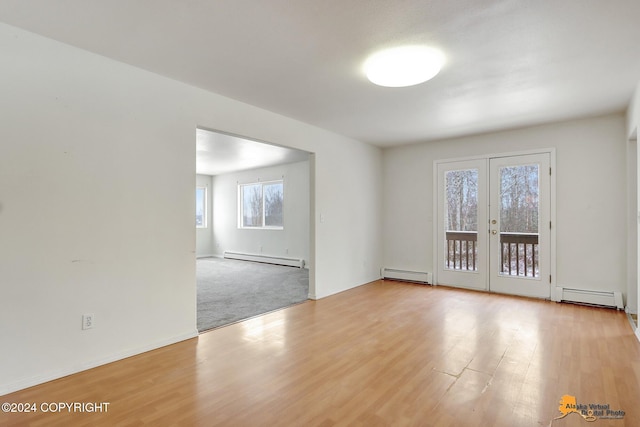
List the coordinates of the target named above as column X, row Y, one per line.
column 583, row 296
column 291, row 262
column 406, row 275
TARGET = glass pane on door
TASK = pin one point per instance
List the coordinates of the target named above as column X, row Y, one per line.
column 461, row 220
column 519, row 220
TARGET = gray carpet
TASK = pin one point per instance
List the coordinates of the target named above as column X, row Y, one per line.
column 231, row 290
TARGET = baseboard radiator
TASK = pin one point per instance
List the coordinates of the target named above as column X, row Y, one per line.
column 583, row 296
column 268, row 259
column 406, row 275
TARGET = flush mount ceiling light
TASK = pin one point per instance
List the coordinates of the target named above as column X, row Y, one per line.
column 403, row 66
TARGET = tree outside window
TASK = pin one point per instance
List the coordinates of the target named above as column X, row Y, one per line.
column 261, row 205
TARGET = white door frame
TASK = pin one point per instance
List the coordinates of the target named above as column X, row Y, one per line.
column 474, row 279
column 552, row 201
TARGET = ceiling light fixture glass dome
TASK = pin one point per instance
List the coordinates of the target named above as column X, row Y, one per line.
column 403, row 66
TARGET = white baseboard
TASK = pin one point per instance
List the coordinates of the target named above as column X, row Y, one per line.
column 406, row 275
column 589, row 296
column 54, row 375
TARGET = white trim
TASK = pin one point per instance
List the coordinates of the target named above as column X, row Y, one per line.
column 552, row 218
column 434, row 232
column 54, row 375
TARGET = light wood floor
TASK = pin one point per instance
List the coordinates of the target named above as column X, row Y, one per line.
column 383, row 354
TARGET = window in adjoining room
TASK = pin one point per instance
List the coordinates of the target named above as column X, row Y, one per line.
column 201, row 207
column 261, row 205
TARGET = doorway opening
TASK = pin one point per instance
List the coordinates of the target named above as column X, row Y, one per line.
column 253, row 227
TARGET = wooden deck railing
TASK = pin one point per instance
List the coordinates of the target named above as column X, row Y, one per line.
column 462, row 250
column 519, row 252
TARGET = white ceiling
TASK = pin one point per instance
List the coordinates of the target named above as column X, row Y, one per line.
column 219, row 153
column 510, row 63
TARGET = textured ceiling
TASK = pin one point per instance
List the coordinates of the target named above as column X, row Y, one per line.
column 510, row 63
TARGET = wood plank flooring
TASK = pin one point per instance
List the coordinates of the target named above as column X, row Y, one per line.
column 383, row 354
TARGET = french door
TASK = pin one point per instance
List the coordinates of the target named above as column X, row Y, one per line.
column 493, row 224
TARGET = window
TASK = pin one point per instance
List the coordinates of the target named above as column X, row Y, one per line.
column 261, row 205
column 201, row 207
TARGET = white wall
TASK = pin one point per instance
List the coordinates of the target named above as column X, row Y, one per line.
column 633, row 114
column 348, row 220
column 633, row 124
column 632, row 227
column 204, row 235
column 97, row 205
column 591, row 197
column 292, row 241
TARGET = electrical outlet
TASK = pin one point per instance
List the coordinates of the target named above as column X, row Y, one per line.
column 87, row 321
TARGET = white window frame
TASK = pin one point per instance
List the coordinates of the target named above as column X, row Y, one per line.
column 262, row 184
column 205, row 207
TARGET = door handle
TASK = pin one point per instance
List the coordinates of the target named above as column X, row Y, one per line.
column 494, row 232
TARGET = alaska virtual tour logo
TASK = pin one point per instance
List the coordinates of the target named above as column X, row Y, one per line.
column 590, row 411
